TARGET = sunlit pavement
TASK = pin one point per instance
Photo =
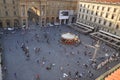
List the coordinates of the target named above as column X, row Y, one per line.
column 54, row 53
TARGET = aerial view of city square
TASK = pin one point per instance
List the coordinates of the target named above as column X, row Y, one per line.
column 59, row 39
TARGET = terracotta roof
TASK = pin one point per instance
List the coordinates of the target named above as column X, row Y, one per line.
column 114, row 76
column 108, row 0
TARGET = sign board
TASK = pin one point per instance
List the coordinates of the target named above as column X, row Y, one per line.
column 63, row 14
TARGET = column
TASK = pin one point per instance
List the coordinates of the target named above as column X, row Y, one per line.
column 60, row 21
column 27, row 24
column 64, row 21
column 70, row 20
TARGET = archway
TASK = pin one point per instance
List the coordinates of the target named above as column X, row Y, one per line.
column 1, row 24
column 47, row 20
column 52, row 20
column 8, row 23
column 62, row 21
column 57, row 19
column 43, row 21
column 73, row 20
column 67, row 20
column 33, row 12
column 16, row 23
column 33, row 15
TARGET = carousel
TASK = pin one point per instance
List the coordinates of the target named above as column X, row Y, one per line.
column 69, row 38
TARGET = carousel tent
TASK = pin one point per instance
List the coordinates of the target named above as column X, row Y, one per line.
column 69, row 36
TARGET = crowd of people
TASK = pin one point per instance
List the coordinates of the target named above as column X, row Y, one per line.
column 66, row 74
column 110, row 59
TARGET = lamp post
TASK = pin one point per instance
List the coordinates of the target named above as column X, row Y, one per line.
column 96, row 47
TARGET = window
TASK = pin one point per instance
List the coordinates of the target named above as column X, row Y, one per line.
column 101, row 14
column 4, row 1
column 93, row 6
column 13, row 2
column 96, row 13
column 108, row 8
column 90, row 18
column 112, row 16
column 5, row 7
column 87, row 11
column 80, row 5
column 95, row 20
column 104, row 22
column 106, row 15
column 115, row 9
column 110, row 24
column 103, row 8
column 13, row 7
column 117, row 26
column 84, row 5
column 88, row 6
column 97, row 7
column 99, row 21
column 83, row 10
column 6, row 13
column 14, row 13
column 80, row 9
column 91, row 12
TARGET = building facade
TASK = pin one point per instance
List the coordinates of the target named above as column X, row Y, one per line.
column 16, row 13
column 104, row 15
column 9, row 13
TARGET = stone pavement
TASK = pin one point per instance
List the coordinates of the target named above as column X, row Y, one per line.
column 0, row 69
column 54, row 61
column 0, row 60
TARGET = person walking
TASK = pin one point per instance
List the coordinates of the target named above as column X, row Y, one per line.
column 15, row 75
column 37, row 77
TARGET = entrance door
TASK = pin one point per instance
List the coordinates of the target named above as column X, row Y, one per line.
column 62, row 21
column 1, row 25
column 16, row 23
column 73, row 20
column 8, row 23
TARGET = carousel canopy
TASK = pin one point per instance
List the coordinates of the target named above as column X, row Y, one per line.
column 68, row 36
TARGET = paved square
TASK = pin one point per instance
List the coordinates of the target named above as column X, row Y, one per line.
column 54, row 61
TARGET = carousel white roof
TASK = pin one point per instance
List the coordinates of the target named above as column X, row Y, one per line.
column 68, row 36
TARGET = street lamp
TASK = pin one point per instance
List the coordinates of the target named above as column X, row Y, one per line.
column 96, row 47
